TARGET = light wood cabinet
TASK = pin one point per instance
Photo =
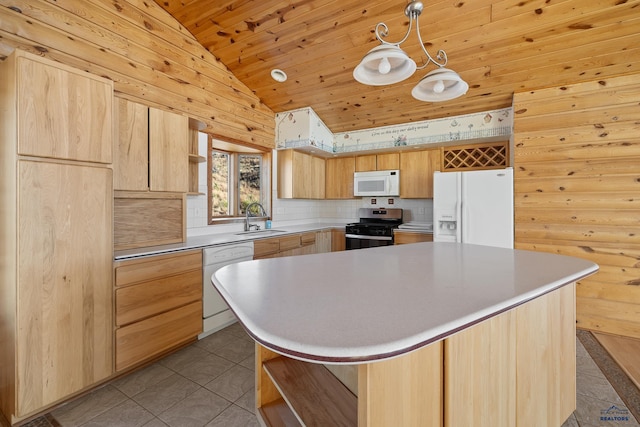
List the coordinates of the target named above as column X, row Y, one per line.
column 416, row 173
column 339, row 177
column 289, row 245
column 295, row 244
column 168, row 151
column 404, row 237
column 378, row 162
column 158, row 305
column 152, row 149
column 131, row 154
column 62, row 113
column 56, row 233
column 300, row 175
column 338, row 240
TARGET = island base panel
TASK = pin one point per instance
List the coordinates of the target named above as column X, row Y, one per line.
column 403, row 391
column 479, row 374
column 546, row 359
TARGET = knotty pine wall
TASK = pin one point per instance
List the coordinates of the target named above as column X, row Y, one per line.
column 577, row 190
column 148, row 55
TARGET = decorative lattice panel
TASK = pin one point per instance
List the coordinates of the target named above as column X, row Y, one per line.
column 475, row 156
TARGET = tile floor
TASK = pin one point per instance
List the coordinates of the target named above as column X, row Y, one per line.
column 211, row 383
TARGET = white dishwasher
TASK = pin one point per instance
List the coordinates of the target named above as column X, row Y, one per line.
column 215, row 312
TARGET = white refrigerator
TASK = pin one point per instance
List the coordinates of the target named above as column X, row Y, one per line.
column 474, row 207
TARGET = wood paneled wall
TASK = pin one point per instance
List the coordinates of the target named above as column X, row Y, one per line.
column 577, row 190
column 150, row 57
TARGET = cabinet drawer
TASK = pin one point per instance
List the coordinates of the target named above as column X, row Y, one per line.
column 265, row 247
column 148, row 269
column 151, row 337
column 400, row 238
column 289, row 242
column 156, row 296
column 307, row 239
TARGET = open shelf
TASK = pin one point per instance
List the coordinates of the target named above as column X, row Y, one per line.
column 278, row 414
column 313, row 395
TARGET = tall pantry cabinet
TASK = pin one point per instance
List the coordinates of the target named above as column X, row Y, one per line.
column 56, row 233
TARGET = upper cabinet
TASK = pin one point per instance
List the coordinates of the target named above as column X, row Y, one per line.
column 339, row 177
column 378, row 162
column 300, row 175
column 416, row 173
column 152, row 149
column 131, row 160
column 168, row 151
column 70, row 110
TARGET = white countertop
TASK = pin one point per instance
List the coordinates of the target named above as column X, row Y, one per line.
column 372, row 304
column 213, row 239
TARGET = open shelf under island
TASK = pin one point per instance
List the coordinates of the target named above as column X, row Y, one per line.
column 428, row 334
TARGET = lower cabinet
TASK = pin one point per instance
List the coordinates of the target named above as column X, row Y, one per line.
column 514, row 369
column 292, row 244
column 338, row 240
column 158, row 305
column 404, row 237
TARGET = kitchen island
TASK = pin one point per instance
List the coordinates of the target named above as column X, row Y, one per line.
column 438, row 334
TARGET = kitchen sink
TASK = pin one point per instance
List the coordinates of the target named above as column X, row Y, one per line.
column 264, row 232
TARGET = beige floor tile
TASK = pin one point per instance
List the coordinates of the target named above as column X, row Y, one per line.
column 157, row 398
column 234, row 383
column 128, row 414
column 249, row 362
column 586, row 366
column 206, row 368
column 195, row 410
column 216, row 341
column 155, row 423
column 139, row 381
column 597, row 388
column 247, row 401
column 87, row 407
column 237, row 350
column 234, row 416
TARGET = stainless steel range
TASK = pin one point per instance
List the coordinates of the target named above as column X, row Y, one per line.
column 375, row 228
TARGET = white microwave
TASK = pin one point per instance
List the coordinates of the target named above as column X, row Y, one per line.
column 377, row 183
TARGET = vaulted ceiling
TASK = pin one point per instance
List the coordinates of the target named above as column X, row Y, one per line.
column 498, row 46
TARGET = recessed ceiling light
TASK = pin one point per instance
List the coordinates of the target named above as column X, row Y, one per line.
column 279, row 75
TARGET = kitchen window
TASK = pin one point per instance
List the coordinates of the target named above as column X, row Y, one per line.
column 236, row 179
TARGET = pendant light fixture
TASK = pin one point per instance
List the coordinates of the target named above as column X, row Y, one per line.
column 388, row 64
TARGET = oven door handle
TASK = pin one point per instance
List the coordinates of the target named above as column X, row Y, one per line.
column 364, row 237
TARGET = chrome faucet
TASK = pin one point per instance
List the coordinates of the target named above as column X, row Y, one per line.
column 263, row 213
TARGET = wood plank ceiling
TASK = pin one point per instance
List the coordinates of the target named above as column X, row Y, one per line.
column 498, row 46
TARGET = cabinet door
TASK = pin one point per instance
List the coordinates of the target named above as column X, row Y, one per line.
column 64, row 299
column 168, row 151
column 300, row 175
column 389, row 161
column 339, row 178
column 63, row 113
column 416, row 173
column 366, row 163
column 338, row 240
column 131, row 160
column 318, row 178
